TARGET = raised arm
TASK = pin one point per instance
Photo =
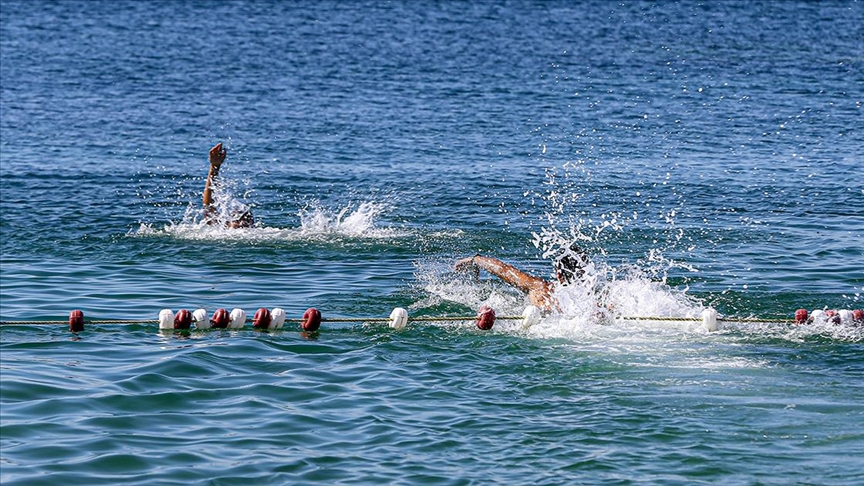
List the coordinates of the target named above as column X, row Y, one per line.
column 217, row 156
column 539, row 291
column 508, row 273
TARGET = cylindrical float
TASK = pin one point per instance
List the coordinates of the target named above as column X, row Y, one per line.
column 485, row 318
column 845, row 317
column 277, row 318
column 262, row 319
column 76, row 321
column 200, row 318
column 166, row 319
column 220, row 319
column 531, row 316
column 311, row 320
column 398, row 318
column 238, row 319
column 183, row 319
column 817, row 316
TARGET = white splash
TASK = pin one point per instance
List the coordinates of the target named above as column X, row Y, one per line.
column 355, row 221
column 350, row 221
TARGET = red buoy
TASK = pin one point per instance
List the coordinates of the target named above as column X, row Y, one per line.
column 311, row 320
column 801, row 316
column 858, row 316
column 76, row 321
column 183, row 319
column 220, row 319
column 262, row 319
column 485, row 318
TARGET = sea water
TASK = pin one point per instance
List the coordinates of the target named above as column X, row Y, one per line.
column 705, row 154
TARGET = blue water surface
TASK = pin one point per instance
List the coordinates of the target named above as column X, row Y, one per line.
column 705, row 154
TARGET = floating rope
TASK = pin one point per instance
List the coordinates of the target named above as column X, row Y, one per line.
column 130, row 322
column 749, row 320
column 485, row 319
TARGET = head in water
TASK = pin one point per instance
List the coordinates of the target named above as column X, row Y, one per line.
column 238, row 218
column 241, row 220
column 570, row 264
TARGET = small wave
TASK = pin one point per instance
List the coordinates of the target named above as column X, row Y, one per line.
column 316, row 223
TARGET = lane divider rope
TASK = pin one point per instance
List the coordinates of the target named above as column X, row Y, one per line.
column 485, row 319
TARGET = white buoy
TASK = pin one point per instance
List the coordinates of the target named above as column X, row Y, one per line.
column 818, row 317
column 709, row 319
column 166, row 319
column 277, row 318
column 238, row 319
column 398, row 318
column 845, row 317
column 531, row 316
column 200, row 319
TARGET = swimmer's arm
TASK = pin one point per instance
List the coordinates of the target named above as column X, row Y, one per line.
column 508, row 273
column 217, row 156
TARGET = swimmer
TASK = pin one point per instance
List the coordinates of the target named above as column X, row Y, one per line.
column 569, row 266
column 239, row 219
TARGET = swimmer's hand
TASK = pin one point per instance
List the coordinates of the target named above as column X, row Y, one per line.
column 464, row 265
column 217, row 155
column 468, row 265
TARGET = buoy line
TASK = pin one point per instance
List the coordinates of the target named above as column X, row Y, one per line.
column 399, row 319
column 410, row 319
column 132, row 322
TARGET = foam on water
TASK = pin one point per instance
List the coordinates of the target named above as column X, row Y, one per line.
column 594, row 301
column 588, row 307
column 316, row 223
column 352, row 221
column 590, row 311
